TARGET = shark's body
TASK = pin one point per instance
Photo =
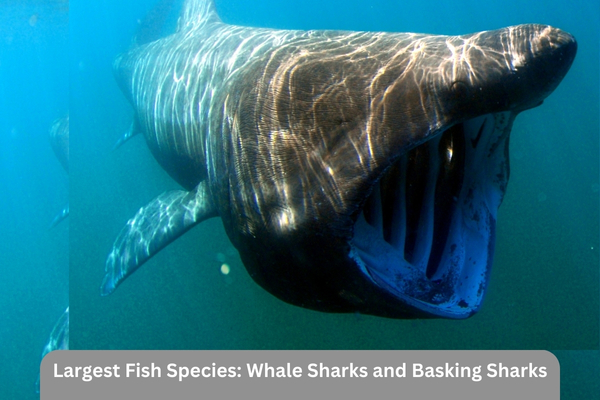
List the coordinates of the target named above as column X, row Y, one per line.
column 353, row 171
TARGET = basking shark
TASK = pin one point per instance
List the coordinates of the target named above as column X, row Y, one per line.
column 353, row 171
column 59, row 140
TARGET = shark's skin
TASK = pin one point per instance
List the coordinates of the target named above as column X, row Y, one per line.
column 59, row 140
column 353, row 171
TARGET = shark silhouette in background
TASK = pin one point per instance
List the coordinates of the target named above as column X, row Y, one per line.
column 353, row 171
column 59, row 140
column 58, row 340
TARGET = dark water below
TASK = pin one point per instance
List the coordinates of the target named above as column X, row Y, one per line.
column 544, row 292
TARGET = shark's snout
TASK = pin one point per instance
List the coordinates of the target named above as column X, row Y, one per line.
column 541, row 57
column 557, row 44
column 427, row 231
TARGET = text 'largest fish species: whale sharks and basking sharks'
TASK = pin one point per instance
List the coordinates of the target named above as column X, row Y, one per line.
column 353, row 171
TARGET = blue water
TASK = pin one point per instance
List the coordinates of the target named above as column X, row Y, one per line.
column 544, row 292
column 33, row 186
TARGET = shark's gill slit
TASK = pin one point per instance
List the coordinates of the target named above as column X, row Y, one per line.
column 475, row 140
column 451, row 152
column 414, row 205
column 393, row 192
column 373, row 210
column 415, row 198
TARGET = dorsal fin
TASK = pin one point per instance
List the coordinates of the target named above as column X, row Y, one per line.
column 152, row 26
column 197, row 13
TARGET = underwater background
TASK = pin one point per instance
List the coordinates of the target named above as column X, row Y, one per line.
column 56, row 56
column 34, row 187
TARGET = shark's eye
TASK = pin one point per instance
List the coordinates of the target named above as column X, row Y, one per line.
column 459, row 90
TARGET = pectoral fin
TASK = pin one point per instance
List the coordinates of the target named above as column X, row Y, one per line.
column 63, row 214
column 131, row 132
column 154, row 226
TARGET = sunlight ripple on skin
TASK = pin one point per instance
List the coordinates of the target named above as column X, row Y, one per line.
column 353, row 171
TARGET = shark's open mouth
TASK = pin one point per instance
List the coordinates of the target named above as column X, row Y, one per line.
column 426, row 232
